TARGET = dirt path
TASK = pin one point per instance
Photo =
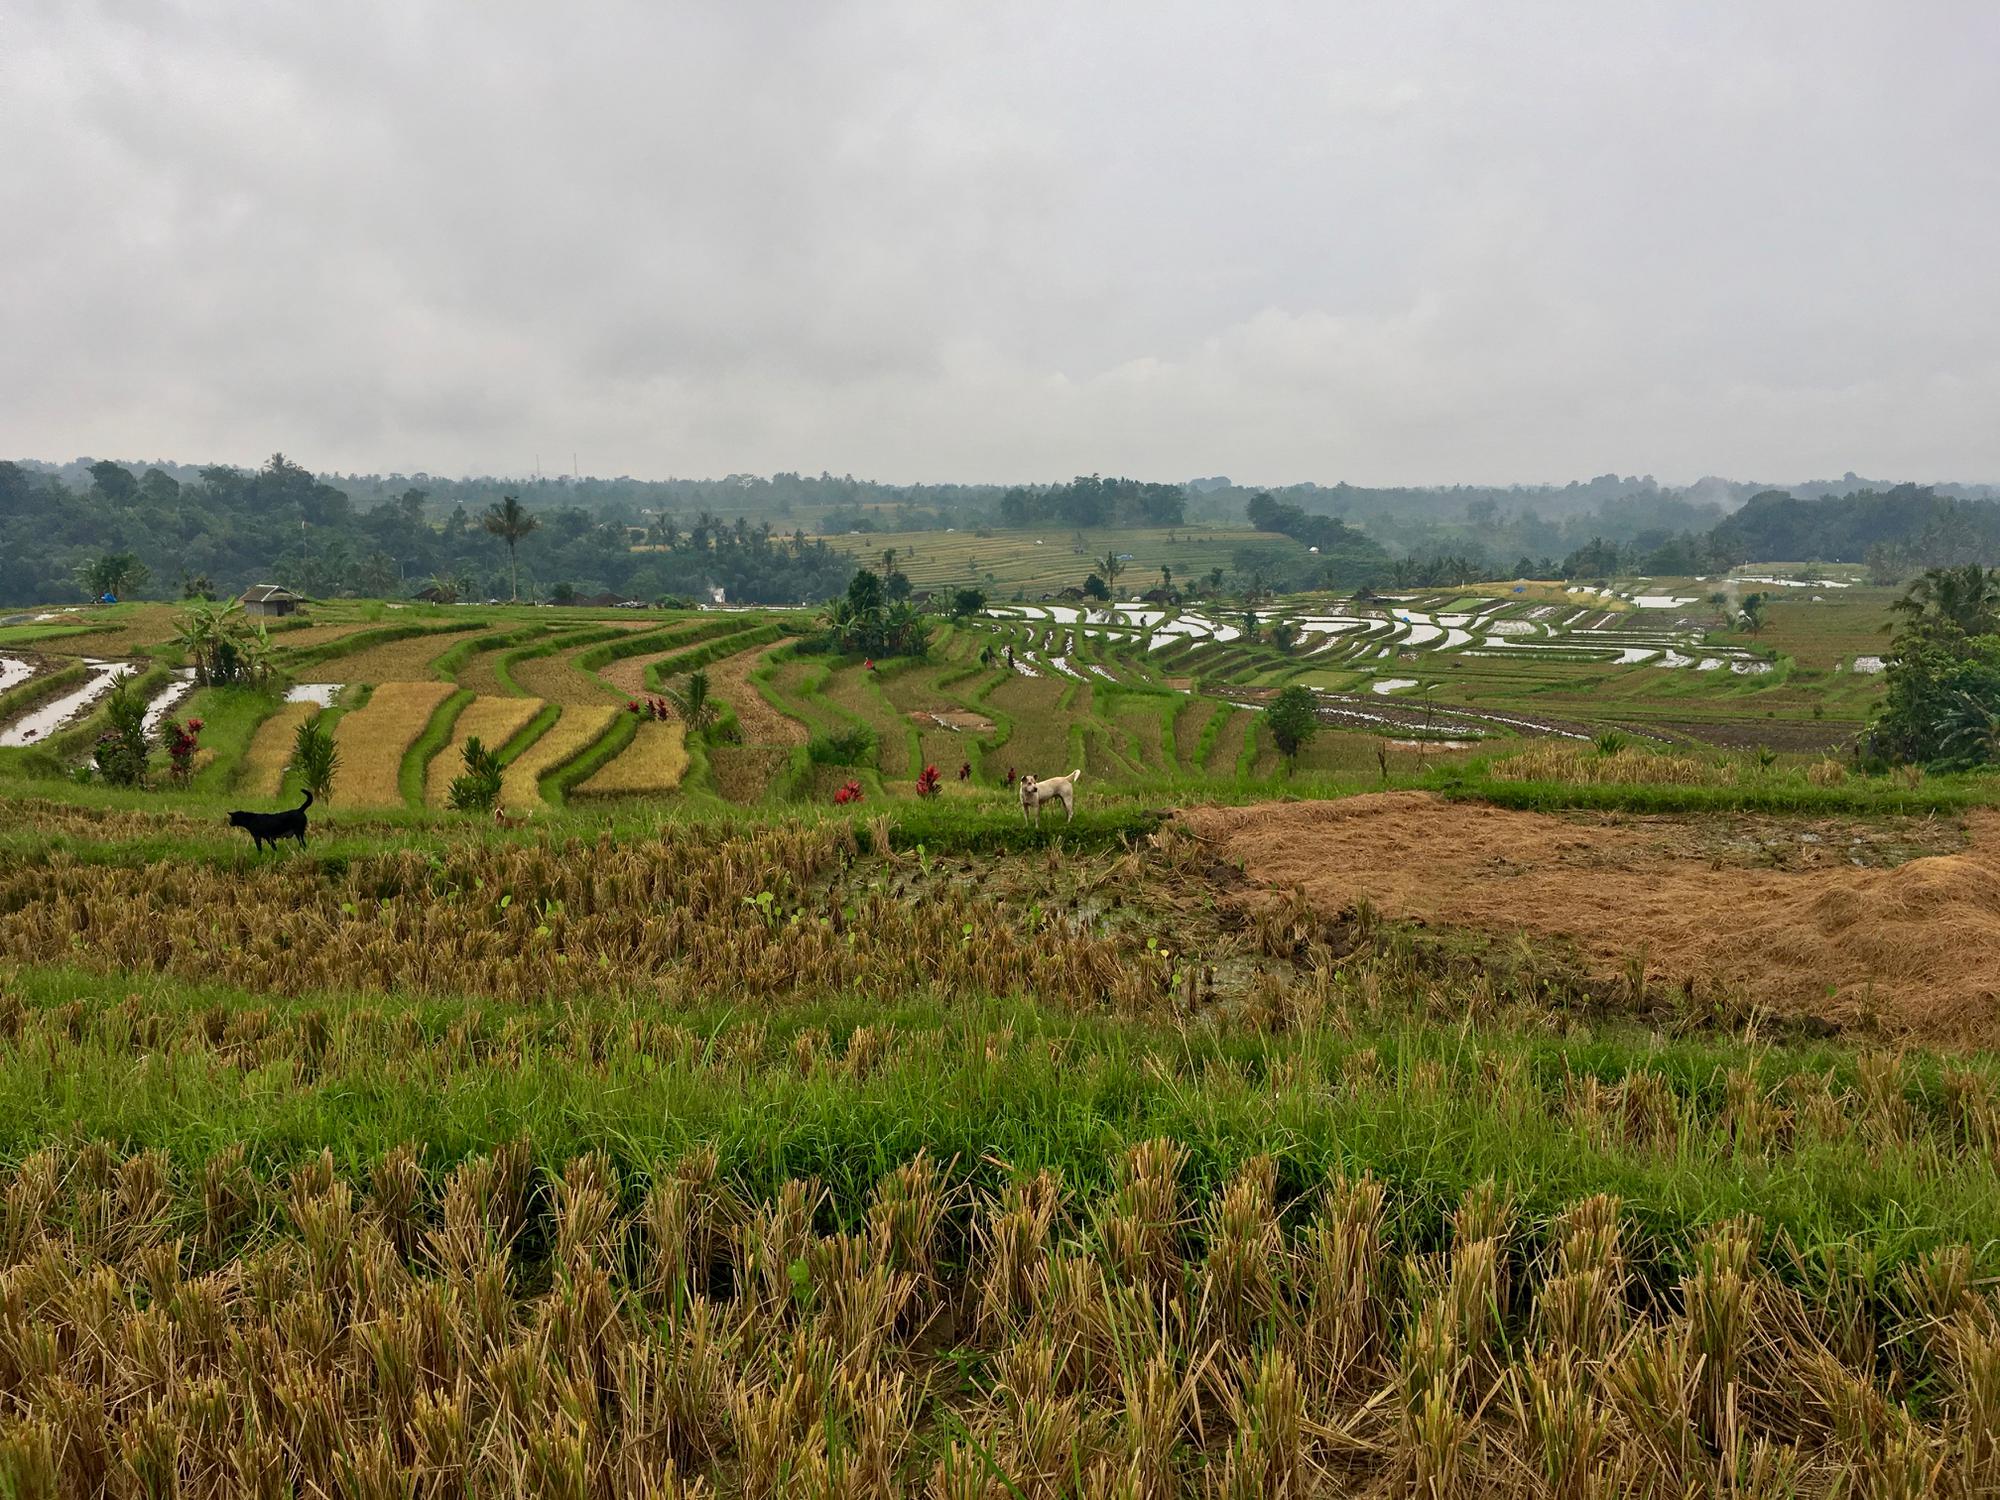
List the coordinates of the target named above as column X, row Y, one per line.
column 1913, row 948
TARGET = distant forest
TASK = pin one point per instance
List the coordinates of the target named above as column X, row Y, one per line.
column 762, row 538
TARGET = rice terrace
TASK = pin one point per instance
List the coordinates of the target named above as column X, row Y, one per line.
column 675, row 1066
column 1032, row 752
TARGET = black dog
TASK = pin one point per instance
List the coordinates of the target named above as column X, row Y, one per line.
column 268, row 828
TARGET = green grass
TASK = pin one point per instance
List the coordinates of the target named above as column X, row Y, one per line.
column 1426, row 1117
column 35, row 635
column 1786, row 794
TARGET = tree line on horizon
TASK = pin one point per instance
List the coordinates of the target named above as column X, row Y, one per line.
column 219, row 529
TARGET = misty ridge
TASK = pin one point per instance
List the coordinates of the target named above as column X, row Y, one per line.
column 764, row 539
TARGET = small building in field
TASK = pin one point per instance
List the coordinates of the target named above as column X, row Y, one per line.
column 269, row 600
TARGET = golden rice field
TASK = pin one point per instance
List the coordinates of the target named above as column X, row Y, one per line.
column 558, row 679
column 407, row 660
column 1571, row 764
column 652, row 764
column 493, row 721
column 578, row 728
column 499, row 1329
column 261, row 772
column 374, row 738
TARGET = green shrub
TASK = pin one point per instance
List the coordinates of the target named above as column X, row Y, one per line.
column 849, row 747
column 315, row 758
column 477, row 789
column 1293, row 719
column 121, row 750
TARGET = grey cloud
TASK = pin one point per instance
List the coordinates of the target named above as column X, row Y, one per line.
column 1406, row 243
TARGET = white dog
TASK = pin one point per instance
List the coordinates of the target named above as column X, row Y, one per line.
column 1056, row 789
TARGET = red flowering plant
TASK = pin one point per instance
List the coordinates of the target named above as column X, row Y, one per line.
column 850, row 792
column 927, row 784
column 649, row 708
column 183, row 742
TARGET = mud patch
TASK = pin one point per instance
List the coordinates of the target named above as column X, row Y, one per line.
column 1888, row 925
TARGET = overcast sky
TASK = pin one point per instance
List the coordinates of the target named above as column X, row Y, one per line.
column 1388, row 242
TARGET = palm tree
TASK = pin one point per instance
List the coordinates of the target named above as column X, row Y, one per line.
column 203, row 630
column 691, row 701
column 888, row 561
column 1972, row 731
column 1968, row 597
column 507, row 520
column 1111, row 566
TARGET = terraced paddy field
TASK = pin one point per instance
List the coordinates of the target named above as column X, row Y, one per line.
column 491, row 721
column 1038, row 561
column 761, row 722
column 1256, row 1150
column 1139, row 696
column 374, row 739
column 570, row 736
column 1469, row 1108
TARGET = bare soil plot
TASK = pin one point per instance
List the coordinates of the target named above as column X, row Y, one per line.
column 1812, row 919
